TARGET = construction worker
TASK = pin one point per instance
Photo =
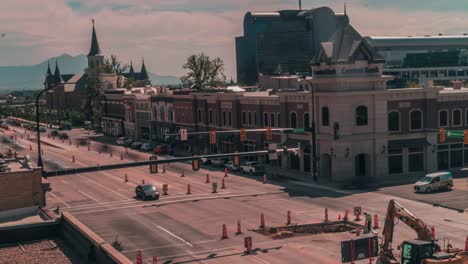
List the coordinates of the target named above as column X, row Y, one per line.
column 368, row 218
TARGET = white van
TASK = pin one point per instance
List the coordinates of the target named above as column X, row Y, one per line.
column 434, row 181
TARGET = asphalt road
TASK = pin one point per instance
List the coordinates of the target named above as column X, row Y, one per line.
column 181, row 228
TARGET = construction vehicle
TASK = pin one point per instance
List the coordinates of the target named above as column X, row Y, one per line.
column 423, row 250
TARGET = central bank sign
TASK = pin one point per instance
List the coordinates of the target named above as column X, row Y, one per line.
column 347, row 71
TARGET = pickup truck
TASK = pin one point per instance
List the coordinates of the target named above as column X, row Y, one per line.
column 218, row 162
column 231, row 167
column 252, row 168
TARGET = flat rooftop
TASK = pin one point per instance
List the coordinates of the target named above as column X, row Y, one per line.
column 50, row 251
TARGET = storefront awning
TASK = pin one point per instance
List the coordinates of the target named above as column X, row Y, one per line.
column 294, row 143
column 407, row 143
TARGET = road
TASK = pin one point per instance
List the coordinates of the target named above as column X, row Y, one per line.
column 187, row 228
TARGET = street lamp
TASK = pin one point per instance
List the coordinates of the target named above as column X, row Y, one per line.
column 314, row 134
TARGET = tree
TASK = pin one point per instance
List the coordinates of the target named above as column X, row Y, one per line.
column 203, row 71
column 93, row 107
column 114, row 65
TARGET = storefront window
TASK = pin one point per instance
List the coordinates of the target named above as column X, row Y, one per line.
column 416, row 159
column 395, row 161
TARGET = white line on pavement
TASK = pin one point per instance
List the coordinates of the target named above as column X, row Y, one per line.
column 104, row 187
column 168, row 246
column 259, row 260
column 62, row 201
column 172, row 234
column 89, row 196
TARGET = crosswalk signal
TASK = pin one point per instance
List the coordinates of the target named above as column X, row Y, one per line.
column 465, row 137
column 213, row 137
column 442, row 135
column 269, row 134
column 195, row 164
column 243, row 135
column 154, row 167
column 236, row 159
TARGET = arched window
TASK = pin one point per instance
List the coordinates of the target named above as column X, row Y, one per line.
column 394, row 121
column 443, row 118
column 361, row 115
column 456, row 117
column 199, row 116
column 161, row 113
column 416, row 119
column 325, row 116
column 170, row 115
column 293, row 120
column 306, row 121
column 272, row 120
column 211, row 116
column 265, row 119
column 278, row 120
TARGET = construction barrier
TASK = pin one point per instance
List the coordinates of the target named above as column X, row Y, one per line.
column 376, row 221
column 139, row 258
column 223, row 186
column 207, row 178
column 188, row 189
column 155, row 260
column 225, row 172
column 77, row 145
column 73, row 158
column 248, row 244
column 89, row 147
column 433, row 235
column 182, row 175
column 214, row 186
column 326, row 214
column 466, row 244
column 262, row 221
column 30, row 147
column 164, row 169
column 339, row 216
column 110, row 154
column 346, row 215
column 264, row 179
column 69, row 142
column 142, row 181
column 165, row 189
column 288, row 220
column 239, row 229
column 121, row 156
column 126, row 150
column 224, row 235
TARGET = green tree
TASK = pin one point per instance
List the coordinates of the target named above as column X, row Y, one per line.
column 92, row 108
column 114, row 65
column 203, row 71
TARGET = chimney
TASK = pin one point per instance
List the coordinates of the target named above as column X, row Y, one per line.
column 457, row 85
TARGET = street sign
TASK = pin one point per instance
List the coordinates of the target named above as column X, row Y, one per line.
column 357, row 210
column 213, row 137
column 455, row 134
column 272, row 154
column 243, row 135
column 154, row 167
column 298, row 130
column 183, row 134
column 269, row 134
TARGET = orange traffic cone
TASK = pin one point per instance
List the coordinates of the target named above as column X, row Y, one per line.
column 126, row 177
column 223, row 186
column 188, row 189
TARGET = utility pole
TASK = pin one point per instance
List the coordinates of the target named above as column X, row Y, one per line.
column 300, row 5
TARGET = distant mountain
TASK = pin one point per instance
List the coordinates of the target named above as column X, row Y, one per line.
column 32, row 77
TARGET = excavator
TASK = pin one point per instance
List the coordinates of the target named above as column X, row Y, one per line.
column 423, row 250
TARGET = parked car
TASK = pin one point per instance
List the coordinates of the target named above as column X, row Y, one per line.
column 162, row 149
column 120, row 141
column 205, row 161
column 136, row 145
column 252, row 167
column 42, row 129
column 434, row 181
column 231, row 167
column 146, row 147
column 218, row 162
column 145, row 191
column 128, row 142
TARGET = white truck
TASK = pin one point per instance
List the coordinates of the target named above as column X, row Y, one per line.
column 252, row 168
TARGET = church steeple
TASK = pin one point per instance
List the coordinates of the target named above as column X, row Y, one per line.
column 57, row 75
column 49, row 72
column 131, row 71
column 143, row 72
column 94, row 44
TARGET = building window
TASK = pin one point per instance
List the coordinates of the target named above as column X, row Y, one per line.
column 255, row 118
column 244, row 118
column 272, row 120
column 211, row 116
column 361, row 116
column 300, row 87
column 443, row 118
column 394, row 121
column 170, row 115
column 306, row 121
column 416, row 159
column 466, row 117
column 395, row 161
column 161, row 113
column 265, row 119
column 250, row 118
column 224, row 118
column 325, row 116
column 456, row 156
column 456, row 117
column 230, row 119
column 293, row 120
column 416, row 119
column 155, row 113
column 278, row 120
column 199, row 116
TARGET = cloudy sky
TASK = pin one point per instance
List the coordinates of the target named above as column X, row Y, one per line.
column 166, row 32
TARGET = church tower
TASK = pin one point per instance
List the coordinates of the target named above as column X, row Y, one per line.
column 95, row 58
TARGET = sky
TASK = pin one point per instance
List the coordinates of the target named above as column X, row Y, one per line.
column 166, row 32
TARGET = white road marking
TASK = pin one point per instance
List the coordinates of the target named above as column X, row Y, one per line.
column 89, row 196
column 62, row 201
column 197, row 253
column 172, row 234
column 171, row 245
column 104, row 187
column 259, row 260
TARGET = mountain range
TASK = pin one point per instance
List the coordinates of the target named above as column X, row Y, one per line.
column 31, row 77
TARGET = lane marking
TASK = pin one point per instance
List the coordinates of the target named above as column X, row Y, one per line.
column 168, row 246
column 104, row 187
column 174, row 235
column 58, row 198
column 194, row 253
column 257, row 259
column 89, row 196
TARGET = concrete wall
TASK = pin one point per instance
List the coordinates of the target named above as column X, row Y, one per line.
column 20, row 189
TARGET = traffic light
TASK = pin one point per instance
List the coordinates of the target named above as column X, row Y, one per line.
column 236, row 159
column 269, row 134
column 195, row 164
column 442, row 135
column 243, row 135
column 213, row 137
column 154, row 167
column 465, row 137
